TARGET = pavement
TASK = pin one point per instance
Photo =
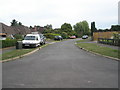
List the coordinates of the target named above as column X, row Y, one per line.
column 61, row 65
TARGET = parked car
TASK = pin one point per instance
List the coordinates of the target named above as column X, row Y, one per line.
column 43, row 39
column 72, row 37
column 58, row 38
column 33, row 40
column 84, row 36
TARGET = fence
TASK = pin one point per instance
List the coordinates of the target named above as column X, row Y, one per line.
column 115, row 42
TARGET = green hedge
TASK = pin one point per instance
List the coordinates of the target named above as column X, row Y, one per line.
column 51, row 35
column 8, row 43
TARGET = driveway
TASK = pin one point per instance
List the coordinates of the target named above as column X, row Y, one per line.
column 61, row 65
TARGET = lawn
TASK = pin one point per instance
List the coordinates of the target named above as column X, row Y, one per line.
column 99, row 49
column 15, row 53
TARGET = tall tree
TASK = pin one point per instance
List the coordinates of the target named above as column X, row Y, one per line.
column 48, row 26
column 20, row 23
column 67, row 28
column 14, row 22
column 93, row 29
column 82, row 28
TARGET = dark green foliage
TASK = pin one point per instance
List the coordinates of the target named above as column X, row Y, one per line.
column 19, row 23
column 93, row 28
column 8, row 43
column 48, row 26
column 14, row 23
column 67, row 28
column 115, row 27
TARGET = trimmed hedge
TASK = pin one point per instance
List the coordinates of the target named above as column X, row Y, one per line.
column 8, row 43
column 51, row 35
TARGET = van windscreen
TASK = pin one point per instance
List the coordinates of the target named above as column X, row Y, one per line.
column 29, row 38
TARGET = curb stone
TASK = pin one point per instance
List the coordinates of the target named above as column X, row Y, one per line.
column 99, row 54
column 11, row 59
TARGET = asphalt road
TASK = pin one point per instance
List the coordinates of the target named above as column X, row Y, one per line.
column 61, row 65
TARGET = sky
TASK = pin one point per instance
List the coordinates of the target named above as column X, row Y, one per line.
column 58, row 12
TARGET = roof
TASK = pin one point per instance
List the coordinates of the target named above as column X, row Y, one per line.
column 14, row 29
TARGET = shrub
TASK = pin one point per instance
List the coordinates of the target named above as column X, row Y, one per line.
column 64, row 35
column 8, row 43
column 51, row 35
column 116, row 36
column 18, row 36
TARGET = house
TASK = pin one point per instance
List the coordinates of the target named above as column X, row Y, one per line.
column 38, row 29
column 12, row 30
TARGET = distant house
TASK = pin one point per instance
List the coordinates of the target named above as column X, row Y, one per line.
column 38, row 29
column 12, row 30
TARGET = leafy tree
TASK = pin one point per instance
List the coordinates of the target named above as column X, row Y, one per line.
column 31, row 27
column 14, row 22
column 82, row 28
column 115, row 27
column 48, row 26
column 67, row 28
column 93, row 29
column 20, row 23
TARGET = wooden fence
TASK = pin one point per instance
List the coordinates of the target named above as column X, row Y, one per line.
column 115, row 42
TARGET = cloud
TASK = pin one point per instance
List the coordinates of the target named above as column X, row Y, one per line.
column 56, row 12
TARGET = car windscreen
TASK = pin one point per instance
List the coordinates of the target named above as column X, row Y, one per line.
column 29, row 38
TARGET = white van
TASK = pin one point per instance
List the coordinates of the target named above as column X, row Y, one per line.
column 32, row 40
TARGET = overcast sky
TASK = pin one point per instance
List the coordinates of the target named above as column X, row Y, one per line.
column 57, row 12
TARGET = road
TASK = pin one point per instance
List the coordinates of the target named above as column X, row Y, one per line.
column 61, row 65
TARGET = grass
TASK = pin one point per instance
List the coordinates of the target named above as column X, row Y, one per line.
column 99, row 49
column 83, row 40
column 15, row 53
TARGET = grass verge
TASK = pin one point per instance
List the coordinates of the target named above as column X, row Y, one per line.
column 100, row 50
column 15, row 53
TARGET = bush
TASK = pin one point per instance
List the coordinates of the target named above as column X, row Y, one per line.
column 116, row 36
column 51, row 35
column 64, row 35
column 18, row 36
column 8, row 43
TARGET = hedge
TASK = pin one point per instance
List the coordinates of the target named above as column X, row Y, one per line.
column 8, row 43
column 51, row 35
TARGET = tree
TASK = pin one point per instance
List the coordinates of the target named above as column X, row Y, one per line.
column 48, row 26
column 14, row 22
column 82, row 28
column 67, row 28
column 31, row 27
column 93, row 29
column 20, row 23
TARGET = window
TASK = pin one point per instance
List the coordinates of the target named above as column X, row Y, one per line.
column 29, row 38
